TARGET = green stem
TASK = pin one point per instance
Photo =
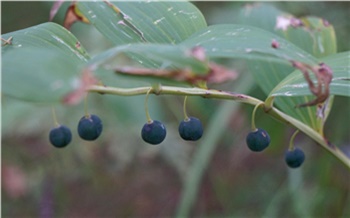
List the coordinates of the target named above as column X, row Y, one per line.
column 170, row 90
column 253, row 117
column 291, row 142
column 269, row 102
column 86, row 106
column 184, row 108
column 54, row 117
column 149, row 119
column 334, row 150
column 216, row 94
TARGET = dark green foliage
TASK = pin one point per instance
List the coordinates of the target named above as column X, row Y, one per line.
column 154, row 132
column 258, row 140
column 90, row 128
column 191, row 129
column 60, row 136
column 294, row 158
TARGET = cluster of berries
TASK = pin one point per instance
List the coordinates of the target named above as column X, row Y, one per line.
column 154, row 132
column 89, row 128
column 259, row 139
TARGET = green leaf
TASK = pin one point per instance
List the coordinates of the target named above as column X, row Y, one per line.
column 167, row 56
column 42, row 63
column 241, row 41
column 40, row 75
column 268, row 65
column 295, row 84
column 263, row 15
column 47, row 35
column 132, row 22
column 158, row 22
column 316, row 36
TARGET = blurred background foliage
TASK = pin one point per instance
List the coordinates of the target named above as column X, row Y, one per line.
column 120, row 176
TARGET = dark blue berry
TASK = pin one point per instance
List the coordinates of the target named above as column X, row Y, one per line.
column 294, row 158
column 191, row 129
column 154, row 132
column 60, row 136
column 258, row 140
column 90, row 127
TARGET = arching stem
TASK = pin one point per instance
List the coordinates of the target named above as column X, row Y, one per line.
column 253, row 116
column 237, row 97
column 291, row 141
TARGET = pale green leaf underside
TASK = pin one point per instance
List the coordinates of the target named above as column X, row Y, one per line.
column 38, row 75
column 241, row 41
column 47, row 35
column 269, row 65
column 314, row 37
column 168, row 56
column 229, row 41
column 42, row 64
column 295, row 84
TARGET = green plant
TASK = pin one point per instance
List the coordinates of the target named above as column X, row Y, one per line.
column 170, row 50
